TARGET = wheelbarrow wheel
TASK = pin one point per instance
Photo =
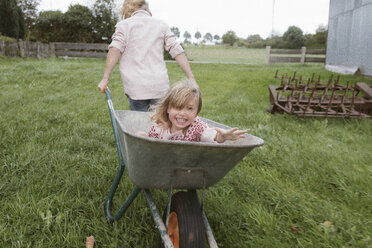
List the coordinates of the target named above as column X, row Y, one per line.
column 185, row 228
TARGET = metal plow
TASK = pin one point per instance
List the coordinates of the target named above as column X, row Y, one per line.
column 320, row 98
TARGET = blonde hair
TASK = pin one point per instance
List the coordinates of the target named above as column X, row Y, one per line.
column 130, row 6
column 178, row 96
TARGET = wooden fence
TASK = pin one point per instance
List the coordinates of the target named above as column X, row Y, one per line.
column 25, row 49
column 56, row 49
column 303, row 58
column 98, row 50
column 89, row 50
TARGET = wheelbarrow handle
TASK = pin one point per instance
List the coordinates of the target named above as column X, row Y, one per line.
column 108, row 94
column 120, row 171
column 105, row 89
column 113, row 122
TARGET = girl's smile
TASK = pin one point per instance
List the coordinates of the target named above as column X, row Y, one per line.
column 182, row 118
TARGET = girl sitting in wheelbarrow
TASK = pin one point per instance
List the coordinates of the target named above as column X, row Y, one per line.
column 176, row 118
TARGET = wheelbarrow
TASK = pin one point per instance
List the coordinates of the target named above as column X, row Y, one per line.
column 164, row 164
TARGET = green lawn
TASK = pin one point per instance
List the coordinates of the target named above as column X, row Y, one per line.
column 225, row 54
column 308, row 186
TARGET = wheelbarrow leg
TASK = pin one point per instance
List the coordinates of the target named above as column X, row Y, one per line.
column 208, row 230
column 158, row 221
column 126, row 204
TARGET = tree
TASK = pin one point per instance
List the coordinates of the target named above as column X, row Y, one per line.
column 104, row 20
column 216, row 37
column 78, row 24
column 254, row 38
column 29, row 10
column 240, row 42
column 49, row 26
column 255, row 41
column 317, row 40
column 176, row 31
column 78, row 19
column 12, row 23
column 276, row 41
column 208, row 37
column 294, row 37
column 229, row 38
column 197, row 35
column 187, row 36
column 321, row 35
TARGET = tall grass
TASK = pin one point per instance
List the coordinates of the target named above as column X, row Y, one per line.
column 308, row 186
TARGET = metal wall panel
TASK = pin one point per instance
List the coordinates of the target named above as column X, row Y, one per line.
column 350, row 34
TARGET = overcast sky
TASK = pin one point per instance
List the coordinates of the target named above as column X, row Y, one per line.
column 245, row 17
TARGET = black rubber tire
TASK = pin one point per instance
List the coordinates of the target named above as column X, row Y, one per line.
column 190, row 221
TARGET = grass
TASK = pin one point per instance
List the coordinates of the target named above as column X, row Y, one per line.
column 241, row 55
column 308, row 186
column 225, row 54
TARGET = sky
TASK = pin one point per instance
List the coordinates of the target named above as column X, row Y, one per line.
column 244, row 17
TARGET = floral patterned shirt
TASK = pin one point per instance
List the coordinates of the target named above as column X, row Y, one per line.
column 198, row 131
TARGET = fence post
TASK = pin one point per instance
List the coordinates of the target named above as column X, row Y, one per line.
column 52, row 49
column 38, row 55
column 2, row 48
column 267, row 58
column 21, row 48
column 303, row 55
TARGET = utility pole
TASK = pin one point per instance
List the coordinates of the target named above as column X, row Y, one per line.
column 272, row 19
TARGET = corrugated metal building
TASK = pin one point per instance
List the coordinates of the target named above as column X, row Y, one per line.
column 349, row 41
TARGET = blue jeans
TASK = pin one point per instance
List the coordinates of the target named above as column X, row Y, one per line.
column 141, row 105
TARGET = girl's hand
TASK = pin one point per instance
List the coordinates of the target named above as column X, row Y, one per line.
column 232, row 134
column 102, row 85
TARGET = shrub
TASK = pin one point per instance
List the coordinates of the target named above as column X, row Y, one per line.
column 7, row 39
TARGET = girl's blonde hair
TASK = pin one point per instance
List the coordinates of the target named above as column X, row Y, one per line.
column 130, row 6
column 178, row 96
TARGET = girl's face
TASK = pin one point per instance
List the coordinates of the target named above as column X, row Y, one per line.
column 182, row 118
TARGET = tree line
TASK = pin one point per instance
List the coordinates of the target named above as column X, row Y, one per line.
column 21, row 20
column 293, row 38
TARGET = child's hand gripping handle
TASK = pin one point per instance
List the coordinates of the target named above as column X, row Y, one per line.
column 104, row 89
column 103, row 85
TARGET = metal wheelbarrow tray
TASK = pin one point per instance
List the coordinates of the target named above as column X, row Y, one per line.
column 163, row 164
column 152, row 163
